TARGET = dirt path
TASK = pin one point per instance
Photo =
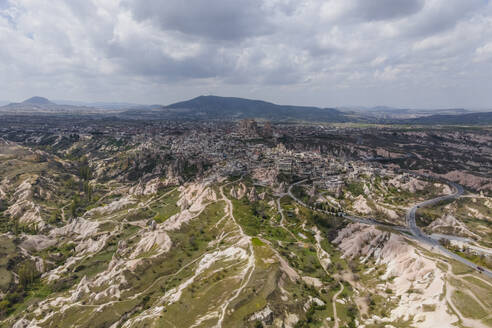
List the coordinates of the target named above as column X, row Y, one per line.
column 282, row 220
column 449, row 292
column 334, row 303
column 478, row 278
column 251, row 262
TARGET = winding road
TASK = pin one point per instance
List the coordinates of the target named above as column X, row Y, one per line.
column 412, row 225
column 352, row 218
column 419, row 235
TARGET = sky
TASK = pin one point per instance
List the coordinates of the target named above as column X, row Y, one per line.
column 404, row 53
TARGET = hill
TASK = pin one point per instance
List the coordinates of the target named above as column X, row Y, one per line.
column 388, row 113
column 484, row 118
column 43, row 106
column 214, row 107
column 37, row 101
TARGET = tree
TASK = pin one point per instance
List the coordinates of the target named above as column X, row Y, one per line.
column 55, row 217
column 74, row 205
column 27, row 274
column 87, row 190
column 85, row 172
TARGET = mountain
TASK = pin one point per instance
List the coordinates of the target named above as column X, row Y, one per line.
column 231, row 108
column 483, row 118
column 384, row 112
column 214, row 107
column 43, row 106
column 101, row 105
column 38, row 101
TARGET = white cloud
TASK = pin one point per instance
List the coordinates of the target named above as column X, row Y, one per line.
column 483, row 53
column 161, row 51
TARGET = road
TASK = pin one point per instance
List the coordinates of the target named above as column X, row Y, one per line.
column 419, row 235
column 412, row 225
column 352, row 218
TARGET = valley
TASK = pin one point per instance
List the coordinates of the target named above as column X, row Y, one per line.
column 224, row 224
column 246, row 164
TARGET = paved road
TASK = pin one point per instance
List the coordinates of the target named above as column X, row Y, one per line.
column 352, row 218
column 418, row 234
column 412, row 226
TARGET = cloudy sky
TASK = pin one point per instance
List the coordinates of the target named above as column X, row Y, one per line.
column 412, row 53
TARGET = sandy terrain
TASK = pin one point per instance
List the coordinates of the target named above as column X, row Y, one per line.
column 406, row 268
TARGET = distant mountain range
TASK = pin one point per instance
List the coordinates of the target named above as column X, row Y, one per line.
column 230, row 108
column 43, row 106
column 213, row 107
column 383, row 112
column 101, row 105
column 484, row 118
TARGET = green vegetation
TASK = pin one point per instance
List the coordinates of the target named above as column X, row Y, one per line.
column 166, row 207
column 249, row 217
column 467, row 305
column 209, row 260
column 459, row 268
column 28, row 287
column 257, row 242
column 481, row 260
column 7, row 254
column 426, row 216
column 355, row 188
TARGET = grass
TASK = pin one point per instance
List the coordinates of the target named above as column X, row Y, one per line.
column 188, row 244
column 214, row 285
column 95, row 264
column 5, row 278
column 251, row 222
column 480, row 289
column 459, row 268
column 428, row 307
column 304, row 259
column 166, row 207
column 461, row 209
column 257, row 242
column 261, row 286
column 7, row 252
column 35, row 293
column 477, row 282
column 156, row 275
column 467, row 305
column 355, row 188
column 400, row 323
column 477, row 259
column 426, row 216
column 488, row 322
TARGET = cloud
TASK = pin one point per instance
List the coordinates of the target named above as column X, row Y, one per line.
column 216, row 20
column 322, row 51
column 483, row 53
column 441, row 15
column 388, row 9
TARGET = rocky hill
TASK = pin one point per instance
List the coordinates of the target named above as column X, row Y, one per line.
column 146, row 231
column 213, row 107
